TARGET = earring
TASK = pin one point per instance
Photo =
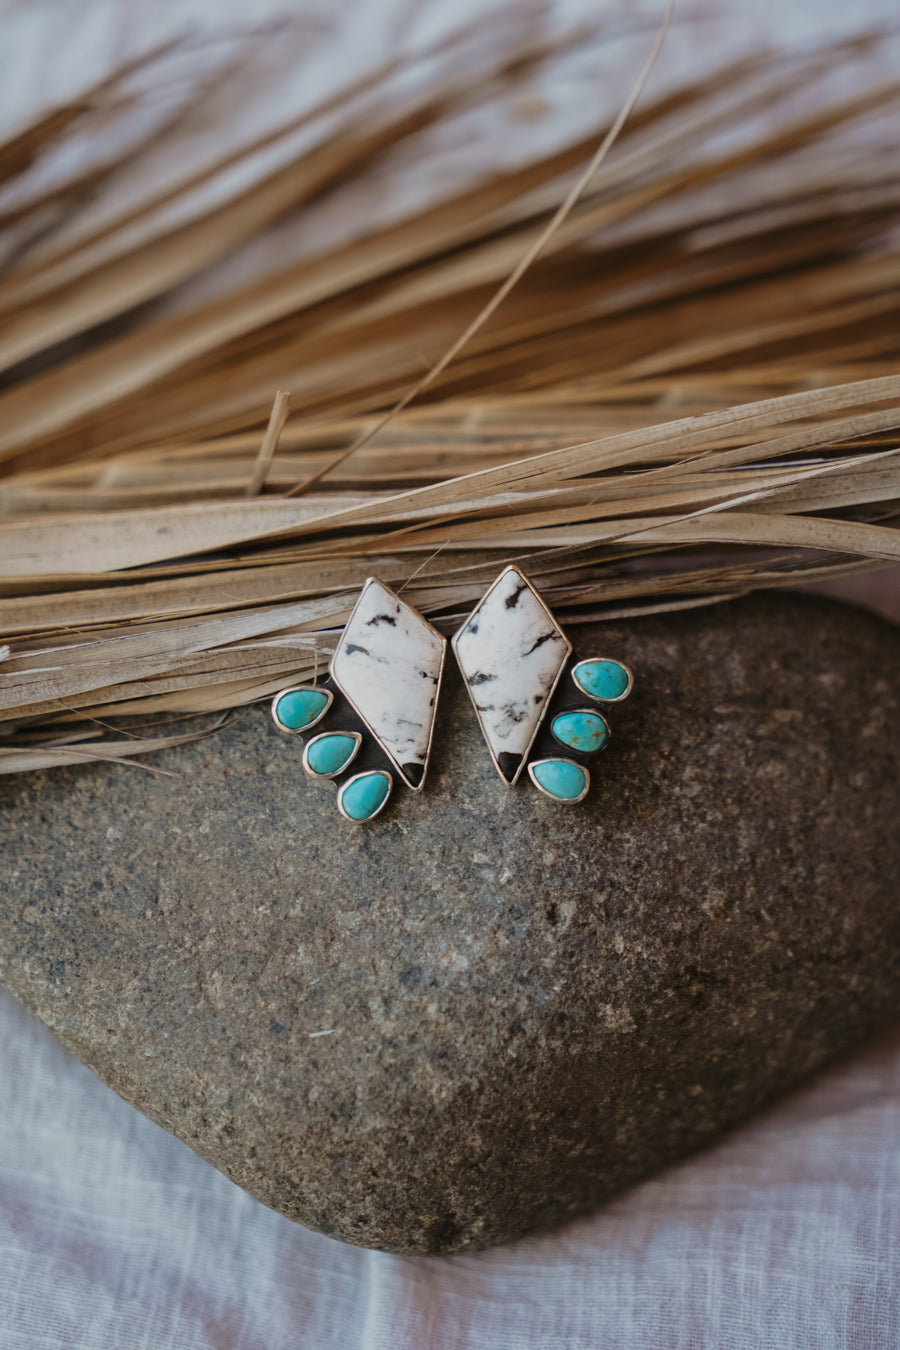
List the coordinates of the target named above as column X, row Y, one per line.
column 386, row 675
column 514, row 656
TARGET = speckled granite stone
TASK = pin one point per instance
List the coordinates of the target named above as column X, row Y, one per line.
column 484, row 1013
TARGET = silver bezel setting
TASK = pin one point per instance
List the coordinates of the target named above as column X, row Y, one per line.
column 299, row 689
column 366, row 773
column 560, row 759
column 589, row 661
column 585, row 712
column 322, row 736
column 374, row 581
column 511, row 782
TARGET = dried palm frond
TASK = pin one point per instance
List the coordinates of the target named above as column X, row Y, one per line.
column 693, row 390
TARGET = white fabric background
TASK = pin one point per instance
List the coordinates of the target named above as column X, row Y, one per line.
column 115, row 1236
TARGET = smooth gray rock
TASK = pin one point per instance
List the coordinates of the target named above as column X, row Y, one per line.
column 527, row 1006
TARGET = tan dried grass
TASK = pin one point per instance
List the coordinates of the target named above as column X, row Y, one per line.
column 692, row 391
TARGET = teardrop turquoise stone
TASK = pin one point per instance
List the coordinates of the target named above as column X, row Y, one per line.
column 300, row 708
column 583, row 731
column 561, row 778
column 330, row 753
column 603, row 680
column 363, row 797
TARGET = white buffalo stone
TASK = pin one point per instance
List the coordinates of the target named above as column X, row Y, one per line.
column 511, row 652
column 388, row 664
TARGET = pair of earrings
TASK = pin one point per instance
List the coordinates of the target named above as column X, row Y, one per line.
column 387, row 669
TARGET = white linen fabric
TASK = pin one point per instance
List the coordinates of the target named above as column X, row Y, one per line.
column 115, row 1236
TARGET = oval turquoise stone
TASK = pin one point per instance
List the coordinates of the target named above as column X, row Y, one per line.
column 604, row 680
column 583, row 731
column 330, row 753
column 301, row 707
column 560, row 778
column 363, row 797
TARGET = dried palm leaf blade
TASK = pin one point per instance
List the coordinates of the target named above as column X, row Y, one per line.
column 690, row 391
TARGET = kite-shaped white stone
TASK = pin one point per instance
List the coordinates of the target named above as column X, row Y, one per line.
column 511, row 652
column 388, row 665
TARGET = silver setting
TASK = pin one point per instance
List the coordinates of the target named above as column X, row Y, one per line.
column 299, row 689
column 560, row 759
column 590, row 712
column 589, row 661
column 366, row 773
column 532, row 687
column 391, row 675
column 324, row 736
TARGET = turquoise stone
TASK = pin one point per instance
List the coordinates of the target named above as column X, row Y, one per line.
column 301, row 708
column 603, row 680
column 363, row 797
column 584, row 731
column 330, row 753
column 560, row 778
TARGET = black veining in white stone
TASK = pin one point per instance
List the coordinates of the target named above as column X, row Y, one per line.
column 388, row 664
column 511, row 652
